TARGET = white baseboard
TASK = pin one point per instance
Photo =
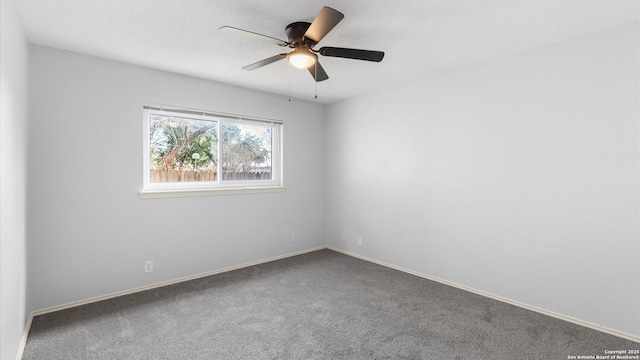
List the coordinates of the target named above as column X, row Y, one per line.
column 496, row 297
column 23, row 342
column 149, row 287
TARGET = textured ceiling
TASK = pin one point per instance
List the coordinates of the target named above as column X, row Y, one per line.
column 419, row 37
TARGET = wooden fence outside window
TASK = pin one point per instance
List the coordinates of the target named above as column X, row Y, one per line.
column 160, row 176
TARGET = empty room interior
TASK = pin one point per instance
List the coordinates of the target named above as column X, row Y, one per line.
column 456, row 180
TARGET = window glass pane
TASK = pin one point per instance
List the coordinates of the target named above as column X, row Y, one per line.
column 182, row 149
column 246, row 152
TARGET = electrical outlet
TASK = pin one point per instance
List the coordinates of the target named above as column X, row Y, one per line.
column 293, row 236
column 359, row 240
column 344, row 236
column 148, row 266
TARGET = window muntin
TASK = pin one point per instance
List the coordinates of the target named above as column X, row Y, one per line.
column 182, row 151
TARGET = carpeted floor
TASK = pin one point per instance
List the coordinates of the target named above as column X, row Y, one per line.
column 321, row 305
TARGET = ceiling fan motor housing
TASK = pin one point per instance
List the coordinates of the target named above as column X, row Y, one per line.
column 295, row 33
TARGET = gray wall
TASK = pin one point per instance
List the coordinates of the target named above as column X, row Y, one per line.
column 13, row 184
column 90, row 233
column 517, row 177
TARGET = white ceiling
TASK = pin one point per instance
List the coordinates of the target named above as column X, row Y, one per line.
column 419, row 37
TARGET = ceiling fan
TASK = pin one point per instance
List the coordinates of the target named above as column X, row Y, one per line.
column 303, row 36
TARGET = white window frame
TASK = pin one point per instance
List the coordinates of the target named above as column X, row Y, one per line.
column 218, row 187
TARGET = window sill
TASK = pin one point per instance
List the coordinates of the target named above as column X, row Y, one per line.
column 157, row 194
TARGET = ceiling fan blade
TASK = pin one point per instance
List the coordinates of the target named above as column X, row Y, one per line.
column 318, row 73
column 326, row 20
column 368, row 55
column 231, row 29
column 264, row 62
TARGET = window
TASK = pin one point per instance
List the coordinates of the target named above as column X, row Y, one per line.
column 188, row 152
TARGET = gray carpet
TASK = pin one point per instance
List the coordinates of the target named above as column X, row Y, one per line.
column 321, row 305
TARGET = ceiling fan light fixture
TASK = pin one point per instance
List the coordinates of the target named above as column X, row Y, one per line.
column 302, row 59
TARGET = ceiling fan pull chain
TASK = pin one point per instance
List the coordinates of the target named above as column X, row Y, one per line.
column 289, row 67
column 315, row 78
